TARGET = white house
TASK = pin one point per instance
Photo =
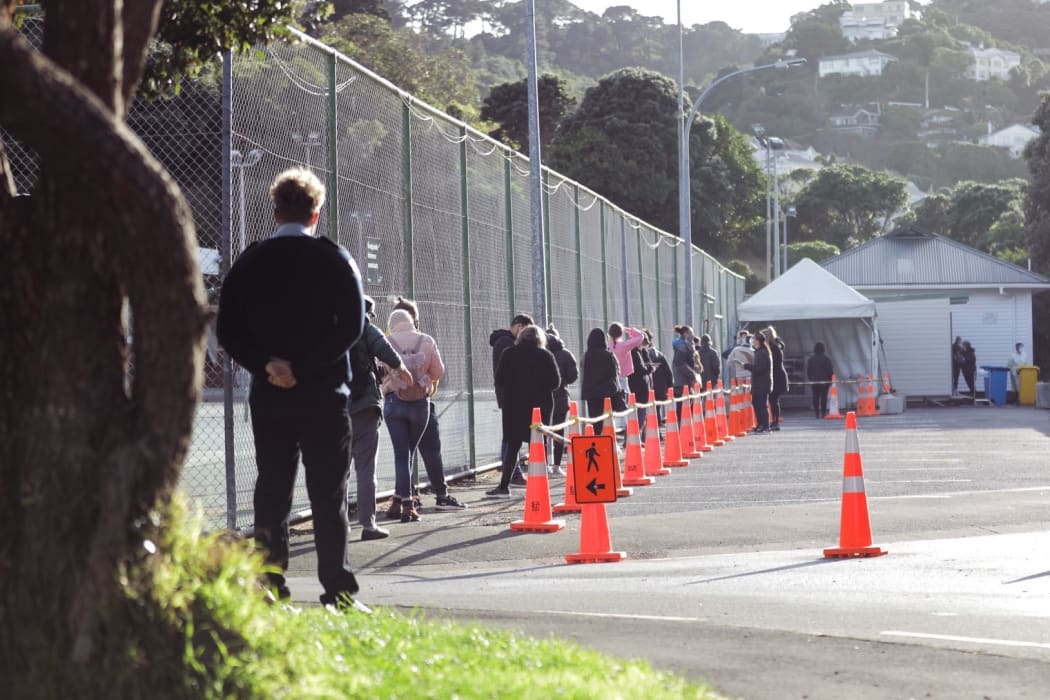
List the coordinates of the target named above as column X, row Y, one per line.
column 859, row 121
column 928, row 289
column 992, row 63
column 862, row 63
column 874, row 20
column 1014, row 137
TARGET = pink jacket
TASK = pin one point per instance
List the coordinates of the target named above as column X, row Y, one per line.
column 632, row 338
column 404, row 332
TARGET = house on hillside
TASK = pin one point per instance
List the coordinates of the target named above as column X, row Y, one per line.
column 863, row 63
column 1014, row 137
column 991, row 64
column 856, row 120
column 929, row 289
column 874, row 20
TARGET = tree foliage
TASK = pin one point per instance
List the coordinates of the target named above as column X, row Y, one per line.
column 846, row 205
column 508, row 106
column 622, row 142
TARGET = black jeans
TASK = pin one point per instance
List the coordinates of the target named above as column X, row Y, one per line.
column 759, row 403
column 820, row 399
column 315, row 424
column 774, row 403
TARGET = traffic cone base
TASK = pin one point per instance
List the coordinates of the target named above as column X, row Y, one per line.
column 537, row 489
column 595, row 544
column 853, row 552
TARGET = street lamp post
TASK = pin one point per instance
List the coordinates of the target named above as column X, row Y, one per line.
column 759, row 132
column 789, row 213
column 685, row 213
column 241, row 161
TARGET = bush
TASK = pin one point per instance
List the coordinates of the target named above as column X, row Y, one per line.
column 751, row 282
column 814, row 250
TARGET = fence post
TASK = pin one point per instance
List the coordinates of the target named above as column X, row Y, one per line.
column 579, row 261
column 406, row 191
column 508, row 202
column 623, row 271
column 226, row 260
column 547, row 236
column 656, row 272
column 641, row 276
column 467, row 325
column 605, row 271
column 333, row 151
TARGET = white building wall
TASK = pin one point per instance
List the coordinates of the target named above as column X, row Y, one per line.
column 993, row 322
column 916, row 338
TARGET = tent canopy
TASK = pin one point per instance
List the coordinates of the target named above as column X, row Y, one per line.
column 806, row 291
column 808, row 304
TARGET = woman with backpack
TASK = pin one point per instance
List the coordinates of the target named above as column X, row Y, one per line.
column 406, row 407
column 569, row 372
column 601, row 376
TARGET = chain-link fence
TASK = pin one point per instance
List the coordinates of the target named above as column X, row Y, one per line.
column 432, row 210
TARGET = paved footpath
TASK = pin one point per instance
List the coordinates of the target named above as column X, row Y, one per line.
column 725, row 578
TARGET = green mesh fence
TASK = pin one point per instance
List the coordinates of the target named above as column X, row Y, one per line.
column 431, row 209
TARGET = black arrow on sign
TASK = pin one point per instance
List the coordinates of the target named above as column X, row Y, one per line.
column 594, row 487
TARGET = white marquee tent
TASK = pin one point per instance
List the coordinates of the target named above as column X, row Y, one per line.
column 808, row 304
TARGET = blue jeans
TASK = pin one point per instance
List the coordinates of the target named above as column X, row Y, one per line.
column 405, row 421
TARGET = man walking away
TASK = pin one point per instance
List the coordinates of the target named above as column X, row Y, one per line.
column 290, row 309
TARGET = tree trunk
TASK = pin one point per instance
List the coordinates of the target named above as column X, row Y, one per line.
column 88, row 445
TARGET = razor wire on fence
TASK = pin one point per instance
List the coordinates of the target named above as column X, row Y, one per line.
column 431, row 209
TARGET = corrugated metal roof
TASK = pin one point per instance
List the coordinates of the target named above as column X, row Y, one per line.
column 913, row 257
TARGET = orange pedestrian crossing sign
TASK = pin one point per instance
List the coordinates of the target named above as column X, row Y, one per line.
column 594, row 468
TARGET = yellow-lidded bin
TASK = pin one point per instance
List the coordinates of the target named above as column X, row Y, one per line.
column 1026, row 379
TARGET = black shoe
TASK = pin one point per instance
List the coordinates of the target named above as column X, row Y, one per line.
column 498, row 492
column 519, row 480
column 377, row 533
column 760, row 431
column 447, row 502
column 774, row 427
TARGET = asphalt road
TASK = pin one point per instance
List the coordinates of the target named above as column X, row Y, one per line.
column 725, row 580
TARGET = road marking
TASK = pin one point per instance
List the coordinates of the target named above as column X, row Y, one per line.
column 967, row 640
column 621, row 616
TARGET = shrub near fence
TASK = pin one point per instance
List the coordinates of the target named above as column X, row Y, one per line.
column 430, row 208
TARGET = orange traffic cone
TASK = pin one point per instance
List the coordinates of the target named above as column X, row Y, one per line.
column 672, row 442
column 886, row 388
column 633, row 467
column 854, row 527
column 610, row 430
column 750, row 422
column 865, row 398
column 537, row 488
column 741, row 419
column 699, row 431
column 685, row 435
column 711, row 418
column 595, row 544
column 569, row 505
column 833, row 401
column 720, row 415
column 651, row 457
column 873, row 400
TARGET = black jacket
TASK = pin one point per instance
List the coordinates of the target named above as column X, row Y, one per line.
column 711, row 362
column 780, row 375
column 500, row 339
column 662, row 377
column 298, row 298
column 601, row 371
column 640, row 382
column 567, row 368
column 819, row 368
column 528, row 376
column 761, row 369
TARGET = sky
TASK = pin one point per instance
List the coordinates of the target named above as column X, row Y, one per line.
column 750, row 16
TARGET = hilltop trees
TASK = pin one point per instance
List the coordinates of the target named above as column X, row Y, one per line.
column 847, row 205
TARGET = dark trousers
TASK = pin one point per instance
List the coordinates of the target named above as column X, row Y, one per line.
column 956, row 368
column 969, row 374
column 561, row 412
column 594, row 408
column 430, row 453
column 759, row 401
column 820, row 399
column 316, row 425
column 510, row 461
column 774, row 403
